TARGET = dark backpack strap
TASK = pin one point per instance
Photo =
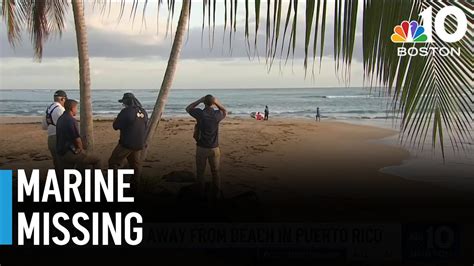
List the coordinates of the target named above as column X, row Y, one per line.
column 49, row 118
column 48, row 108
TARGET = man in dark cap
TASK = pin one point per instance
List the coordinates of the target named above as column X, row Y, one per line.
column 132, row 122
column 69, row 145
column 50, row 119
column 207, row 140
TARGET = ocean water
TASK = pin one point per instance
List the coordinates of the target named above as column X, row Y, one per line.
column 334, row 103
column 353, row 105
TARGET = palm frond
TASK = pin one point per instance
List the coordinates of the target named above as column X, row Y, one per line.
column 323, row 30
column 310, row 6
column 13, row 19
column 39, row 18
column 433, row 94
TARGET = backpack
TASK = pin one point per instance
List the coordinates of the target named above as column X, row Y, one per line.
column 49, row 115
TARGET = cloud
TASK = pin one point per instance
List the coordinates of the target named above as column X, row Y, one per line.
column 147, row 73
column 107, row 38
column 126, row 56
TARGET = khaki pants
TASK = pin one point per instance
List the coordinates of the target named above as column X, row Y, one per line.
column 133, row 157
column 52, row 150
column 213, row 156
column 81, row 160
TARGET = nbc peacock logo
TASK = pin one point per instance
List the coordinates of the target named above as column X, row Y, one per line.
column 409, row 32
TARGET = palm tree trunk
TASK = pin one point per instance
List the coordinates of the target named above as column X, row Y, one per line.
column 169, row 74
column 87, row 128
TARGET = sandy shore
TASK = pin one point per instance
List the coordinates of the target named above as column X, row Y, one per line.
column 327, row 164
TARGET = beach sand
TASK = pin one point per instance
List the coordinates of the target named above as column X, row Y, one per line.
column 299, row 169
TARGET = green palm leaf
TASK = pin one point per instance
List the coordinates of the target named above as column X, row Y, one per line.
column 40, row 18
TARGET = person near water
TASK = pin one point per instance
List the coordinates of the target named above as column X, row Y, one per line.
column 207, row 143
column 132, row 122
column 318, row 115
column 50, row 119
column 267, row 112
column 69, row 146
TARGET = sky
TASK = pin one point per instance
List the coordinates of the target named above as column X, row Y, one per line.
column 132, row 55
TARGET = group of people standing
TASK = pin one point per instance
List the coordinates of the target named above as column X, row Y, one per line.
column 68, row 150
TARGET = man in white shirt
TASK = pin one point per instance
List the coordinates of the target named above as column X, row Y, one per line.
column 50, row 118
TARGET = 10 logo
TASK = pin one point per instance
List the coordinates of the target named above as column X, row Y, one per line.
column 412, row 32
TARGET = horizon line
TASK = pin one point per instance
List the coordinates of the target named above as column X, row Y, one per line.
column 246, row 88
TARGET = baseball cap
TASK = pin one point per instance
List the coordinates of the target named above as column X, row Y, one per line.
column 127, row 95
column 60, row 93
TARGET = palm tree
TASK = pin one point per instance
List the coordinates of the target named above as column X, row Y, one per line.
column 87, row 127
column 42, row 19
column 169, row 73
